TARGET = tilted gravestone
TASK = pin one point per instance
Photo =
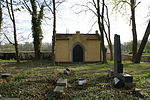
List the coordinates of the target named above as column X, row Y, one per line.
column 5, row 75
column 120, row 79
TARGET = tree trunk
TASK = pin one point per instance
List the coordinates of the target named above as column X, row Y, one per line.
column 54, row 33
column 101, row 28
column 111, row 51
column 12, row 17
column 35, row 37
column 1, row 16
column 110, row 43
column 143, row 44
column 36, row 29
column 134, row 33
column 15, row 34
column 109, row 38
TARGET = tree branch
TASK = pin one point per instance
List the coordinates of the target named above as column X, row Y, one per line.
column 121, row 1
column 9, row 10
column 87, row 9
column 124, row 1
column 8, row 39
column 94, row 4
column 137, row 4
column 48, row 5
column 92, row 26
column 59, row 3
column 27, row 7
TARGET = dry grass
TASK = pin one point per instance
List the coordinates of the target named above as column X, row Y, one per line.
column 35, row 80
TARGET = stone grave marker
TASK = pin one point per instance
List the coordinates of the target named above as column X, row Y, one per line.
column 81, row 81
column 118, row 66
column 67, row 71
column 62, row 82
column 61, row 85
column 5, row 75
column 59, row 89
column 120, row 79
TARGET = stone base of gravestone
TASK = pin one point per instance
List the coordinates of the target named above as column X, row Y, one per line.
column 123, row 80
column 118, row 83
column 59, row 89
column 60, row 86
column 62, row 82
column 126, row 78
column 130, row 85
column 5, row 75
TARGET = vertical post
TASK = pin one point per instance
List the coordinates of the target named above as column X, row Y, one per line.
column 118, row 66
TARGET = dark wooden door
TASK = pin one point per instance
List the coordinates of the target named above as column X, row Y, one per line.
column 77, row 54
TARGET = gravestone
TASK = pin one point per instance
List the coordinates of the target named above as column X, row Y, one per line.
column 118, row 66
column 67, row 71
column 59, row 89
column 60, row 86
column 62, row 82
column 5, row 75
column 120, row 79
column 81, row 81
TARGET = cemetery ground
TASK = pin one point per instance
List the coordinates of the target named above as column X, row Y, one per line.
column 36, row 80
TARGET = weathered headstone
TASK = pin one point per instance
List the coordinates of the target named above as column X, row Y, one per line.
column 60, row 86
column 62, row 82
column 120, row 79
column 5, row 75
column 118, row 83
column 118, row 66
column 67, row 71
column 59, row 89
column 81, row 81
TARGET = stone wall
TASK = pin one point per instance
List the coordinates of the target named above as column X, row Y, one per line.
column 24, row 55
column 129, row 58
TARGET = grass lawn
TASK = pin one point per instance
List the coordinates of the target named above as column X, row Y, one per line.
column 146, row 54
column 36, row 80
column 143, row 54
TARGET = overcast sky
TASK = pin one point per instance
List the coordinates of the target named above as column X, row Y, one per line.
column 69, row 22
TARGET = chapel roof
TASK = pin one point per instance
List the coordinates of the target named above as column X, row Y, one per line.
column 63, row 36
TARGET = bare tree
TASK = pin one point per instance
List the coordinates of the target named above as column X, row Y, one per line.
column 12, row 18
column 52, row 5
column 54, row 33
column 108, row 33
column 36, row 21
column 142, row 45
column 1, row 14
column 137, row 53
column 100, row 17
column 134, row 32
